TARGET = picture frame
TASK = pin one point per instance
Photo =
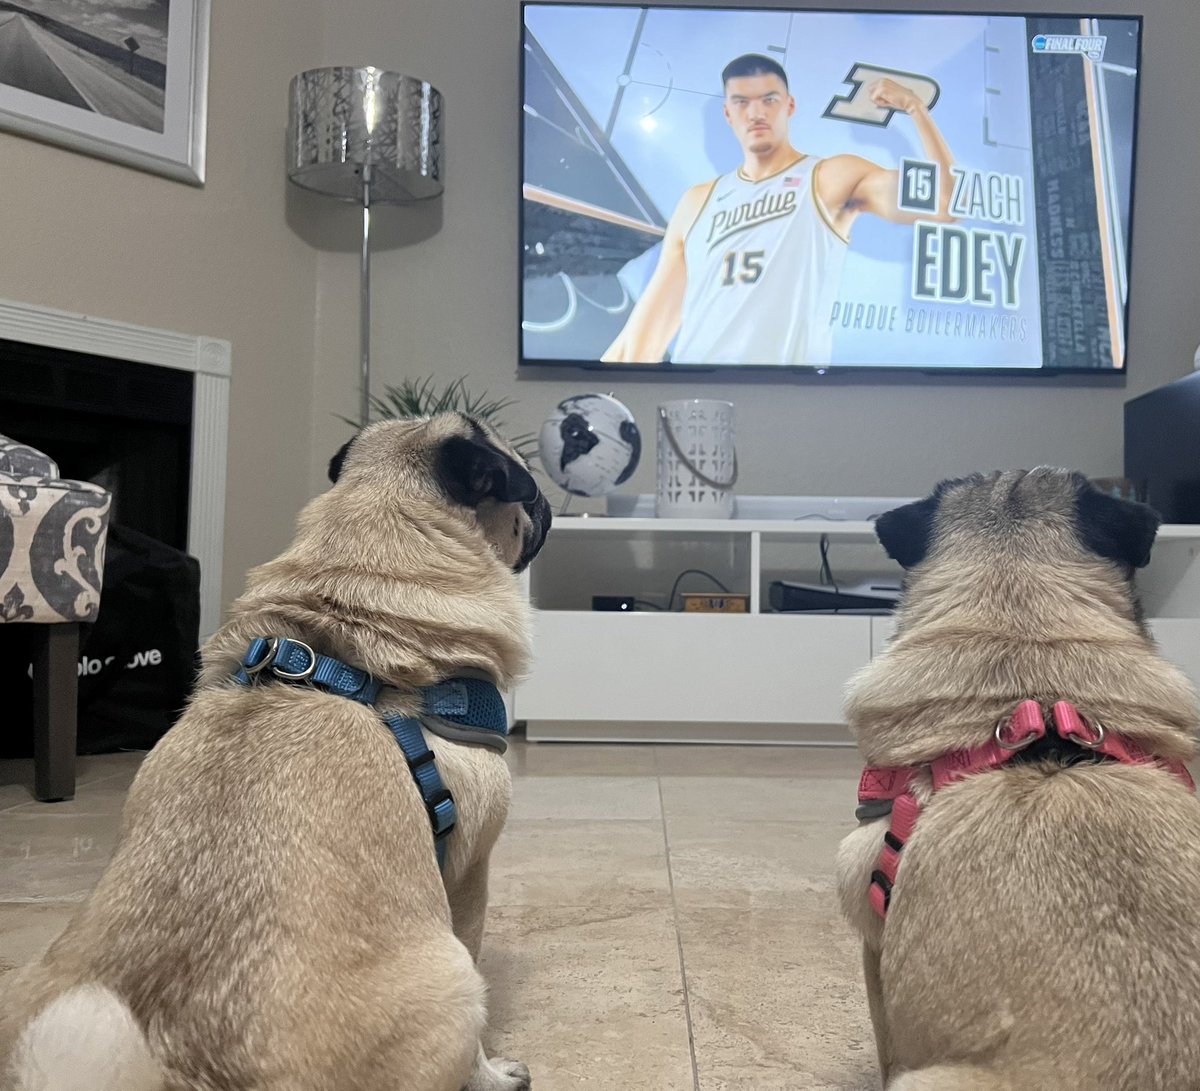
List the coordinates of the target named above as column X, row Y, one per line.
column 124, row 80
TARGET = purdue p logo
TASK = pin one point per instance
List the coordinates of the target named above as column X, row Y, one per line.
column 858, row 106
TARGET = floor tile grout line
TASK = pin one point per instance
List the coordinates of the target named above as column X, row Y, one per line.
column 79, row 785
column 11, row 806
column 85, row 786
column 687, row 1002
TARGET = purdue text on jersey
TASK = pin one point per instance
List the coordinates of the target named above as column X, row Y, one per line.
column 764, row 264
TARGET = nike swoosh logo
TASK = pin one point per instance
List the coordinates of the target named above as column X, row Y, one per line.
column 722, row 196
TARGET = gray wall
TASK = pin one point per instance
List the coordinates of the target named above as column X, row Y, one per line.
column 274, row 270
column 445, row 300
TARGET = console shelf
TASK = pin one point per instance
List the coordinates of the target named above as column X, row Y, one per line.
column 761, row 677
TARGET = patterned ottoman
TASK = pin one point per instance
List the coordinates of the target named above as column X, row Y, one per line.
column 52, row 536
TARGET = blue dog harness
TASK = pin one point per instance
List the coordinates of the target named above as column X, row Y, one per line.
column 472, row 705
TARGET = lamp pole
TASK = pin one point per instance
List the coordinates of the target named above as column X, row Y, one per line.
column 364, row 310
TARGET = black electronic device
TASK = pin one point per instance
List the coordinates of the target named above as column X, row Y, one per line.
column 872, row 596
column 622, row 603
column 1162, row 448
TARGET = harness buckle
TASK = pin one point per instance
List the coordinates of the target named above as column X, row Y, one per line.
column 302, row 675
column 883, row 885
column 444, row 819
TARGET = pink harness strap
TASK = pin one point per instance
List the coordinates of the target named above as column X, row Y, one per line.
column 1026, row 726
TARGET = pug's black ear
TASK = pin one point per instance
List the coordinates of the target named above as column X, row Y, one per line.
column 1119, row 530
column 472, row 471
column 905, row 533
column 336, row 463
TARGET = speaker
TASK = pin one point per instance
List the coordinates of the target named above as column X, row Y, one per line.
column 1162, row 448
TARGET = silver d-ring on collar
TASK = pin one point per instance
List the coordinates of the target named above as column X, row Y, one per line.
column 1020, row 744
column 1091, row 744
column 265, row 661
column 300, row 676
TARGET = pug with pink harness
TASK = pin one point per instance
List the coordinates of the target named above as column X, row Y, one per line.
column 1026, row 871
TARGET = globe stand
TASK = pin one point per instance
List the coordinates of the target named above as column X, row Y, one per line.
column 562, row 512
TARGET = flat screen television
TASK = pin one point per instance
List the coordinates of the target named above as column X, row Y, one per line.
column 738, row 188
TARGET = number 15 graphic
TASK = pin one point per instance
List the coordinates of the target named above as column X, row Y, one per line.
column 918, row 186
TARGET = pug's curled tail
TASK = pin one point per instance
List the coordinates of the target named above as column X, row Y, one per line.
column 85, row 1040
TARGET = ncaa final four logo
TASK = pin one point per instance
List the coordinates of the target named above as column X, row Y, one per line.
column 1090, row 45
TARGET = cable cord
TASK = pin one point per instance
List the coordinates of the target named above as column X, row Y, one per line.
column 825, row 576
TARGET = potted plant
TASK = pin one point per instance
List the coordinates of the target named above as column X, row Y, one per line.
column 423, row 398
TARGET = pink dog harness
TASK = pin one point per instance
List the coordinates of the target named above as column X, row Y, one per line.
column 881, row 784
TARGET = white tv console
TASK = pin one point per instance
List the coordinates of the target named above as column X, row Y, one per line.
column 760, row 677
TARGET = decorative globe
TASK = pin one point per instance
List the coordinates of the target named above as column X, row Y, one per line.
column 590, row 444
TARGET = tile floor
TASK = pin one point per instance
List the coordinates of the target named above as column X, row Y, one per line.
column 661, row 918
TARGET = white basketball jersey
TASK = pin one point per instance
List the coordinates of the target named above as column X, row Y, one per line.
column 764, row 266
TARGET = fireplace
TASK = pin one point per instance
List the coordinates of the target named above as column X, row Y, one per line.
column 122, row 425
column 142, row 412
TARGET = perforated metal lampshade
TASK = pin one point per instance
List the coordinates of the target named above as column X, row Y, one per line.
column 370, row 136
column 344, row 119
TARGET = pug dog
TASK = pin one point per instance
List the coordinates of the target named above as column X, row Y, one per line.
column 1043, row 927
column 274, row 916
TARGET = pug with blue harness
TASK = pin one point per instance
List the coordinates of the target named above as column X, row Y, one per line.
column 297, row 902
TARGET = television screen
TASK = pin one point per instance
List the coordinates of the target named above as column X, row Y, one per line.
column 707, row 187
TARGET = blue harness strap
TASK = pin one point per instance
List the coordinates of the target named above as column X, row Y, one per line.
column 439, row 803
column 470, row 702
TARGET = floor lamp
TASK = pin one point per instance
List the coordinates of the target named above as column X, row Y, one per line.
column 368, row 136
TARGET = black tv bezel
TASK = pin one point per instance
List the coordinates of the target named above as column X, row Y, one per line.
column 528, row 365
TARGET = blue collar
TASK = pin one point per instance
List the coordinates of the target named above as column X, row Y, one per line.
column 472, row 704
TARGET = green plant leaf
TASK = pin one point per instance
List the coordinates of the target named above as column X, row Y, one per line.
column 422, row 398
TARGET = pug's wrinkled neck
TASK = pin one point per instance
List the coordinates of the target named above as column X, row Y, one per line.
column 1050, row 600
column 974, row 640
column 413, row 597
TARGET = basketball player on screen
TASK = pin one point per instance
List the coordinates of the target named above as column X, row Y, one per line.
column 751, row 262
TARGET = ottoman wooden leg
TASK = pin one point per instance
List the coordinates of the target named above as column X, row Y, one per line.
column 55, row 693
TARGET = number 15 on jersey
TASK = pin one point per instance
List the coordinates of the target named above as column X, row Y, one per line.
column 745, row 266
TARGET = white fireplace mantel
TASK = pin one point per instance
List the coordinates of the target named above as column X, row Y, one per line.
column 208, row 358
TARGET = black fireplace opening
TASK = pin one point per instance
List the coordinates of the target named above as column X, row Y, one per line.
column 125, row 426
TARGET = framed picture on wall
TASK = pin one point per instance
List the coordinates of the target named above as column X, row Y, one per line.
column 125, row 80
